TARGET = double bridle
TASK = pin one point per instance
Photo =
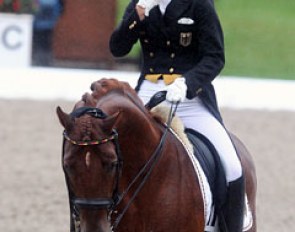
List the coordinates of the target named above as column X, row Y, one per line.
column 100, row 203
column 110, row 204
column 77, row 203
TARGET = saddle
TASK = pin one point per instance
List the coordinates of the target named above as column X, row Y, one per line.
column 205, row 153
column 211, row 164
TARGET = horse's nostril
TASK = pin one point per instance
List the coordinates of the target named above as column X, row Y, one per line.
column 92, row 87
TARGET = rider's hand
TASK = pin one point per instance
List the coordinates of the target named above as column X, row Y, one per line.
column 147, row 5
column 177, row 90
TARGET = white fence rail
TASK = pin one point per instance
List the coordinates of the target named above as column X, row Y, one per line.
column 70, row 84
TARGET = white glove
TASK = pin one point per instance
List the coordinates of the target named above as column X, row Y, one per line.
column 177, row 90
column 147, row 5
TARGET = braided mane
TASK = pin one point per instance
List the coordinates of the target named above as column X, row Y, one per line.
column 104, row 86
column 85, row 127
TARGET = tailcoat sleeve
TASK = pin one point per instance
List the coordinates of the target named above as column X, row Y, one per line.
column 127, row 33
column 211, row 49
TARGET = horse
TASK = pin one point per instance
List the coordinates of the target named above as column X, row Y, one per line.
column 113, row 144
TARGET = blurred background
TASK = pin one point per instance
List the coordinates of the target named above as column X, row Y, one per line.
column 259, row 35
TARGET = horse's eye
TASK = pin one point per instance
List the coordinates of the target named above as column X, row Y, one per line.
column 115, row 164
column 110, row 167
column 68, row 168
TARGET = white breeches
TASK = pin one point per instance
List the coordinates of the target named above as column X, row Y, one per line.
column 196, row 116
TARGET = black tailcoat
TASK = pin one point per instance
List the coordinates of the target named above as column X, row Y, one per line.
column 186, row 40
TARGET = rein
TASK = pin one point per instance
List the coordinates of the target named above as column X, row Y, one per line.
column 110, row 204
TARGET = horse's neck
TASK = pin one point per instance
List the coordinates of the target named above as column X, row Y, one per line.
column 172, row 171
column 140, row 142
column 140, row 137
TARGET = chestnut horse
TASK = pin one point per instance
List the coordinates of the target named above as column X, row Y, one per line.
column 161, row 191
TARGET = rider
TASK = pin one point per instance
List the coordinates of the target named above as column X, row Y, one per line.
column 183, row 51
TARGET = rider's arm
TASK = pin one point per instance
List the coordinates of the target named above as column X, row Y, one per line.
column 127, row 33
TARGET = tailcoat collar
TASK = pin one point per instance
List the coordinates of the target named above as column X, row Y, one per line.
column 176, row 8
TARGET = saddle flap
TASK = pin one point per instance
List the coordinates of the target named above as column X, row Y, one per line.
column 210, row 162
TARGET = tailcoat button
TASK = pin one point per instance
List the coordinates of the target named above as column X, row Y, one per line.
column 132, row 25
column 171, row 70
column 199, row 91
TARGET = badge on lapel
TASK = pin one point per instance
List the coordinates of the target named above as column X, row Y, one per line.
column 185, row 38
column 185, row 21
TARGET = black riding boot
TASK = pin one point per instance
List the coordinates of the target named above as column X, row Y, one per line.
column 234, row 207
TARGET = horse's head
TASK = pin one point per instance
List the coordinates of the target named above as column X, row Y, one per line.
column 91, row 156
column 91, row 164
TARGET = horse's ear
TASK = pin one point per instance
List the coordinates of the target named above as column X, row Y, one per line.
column 110, row 122
column 64, row 118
